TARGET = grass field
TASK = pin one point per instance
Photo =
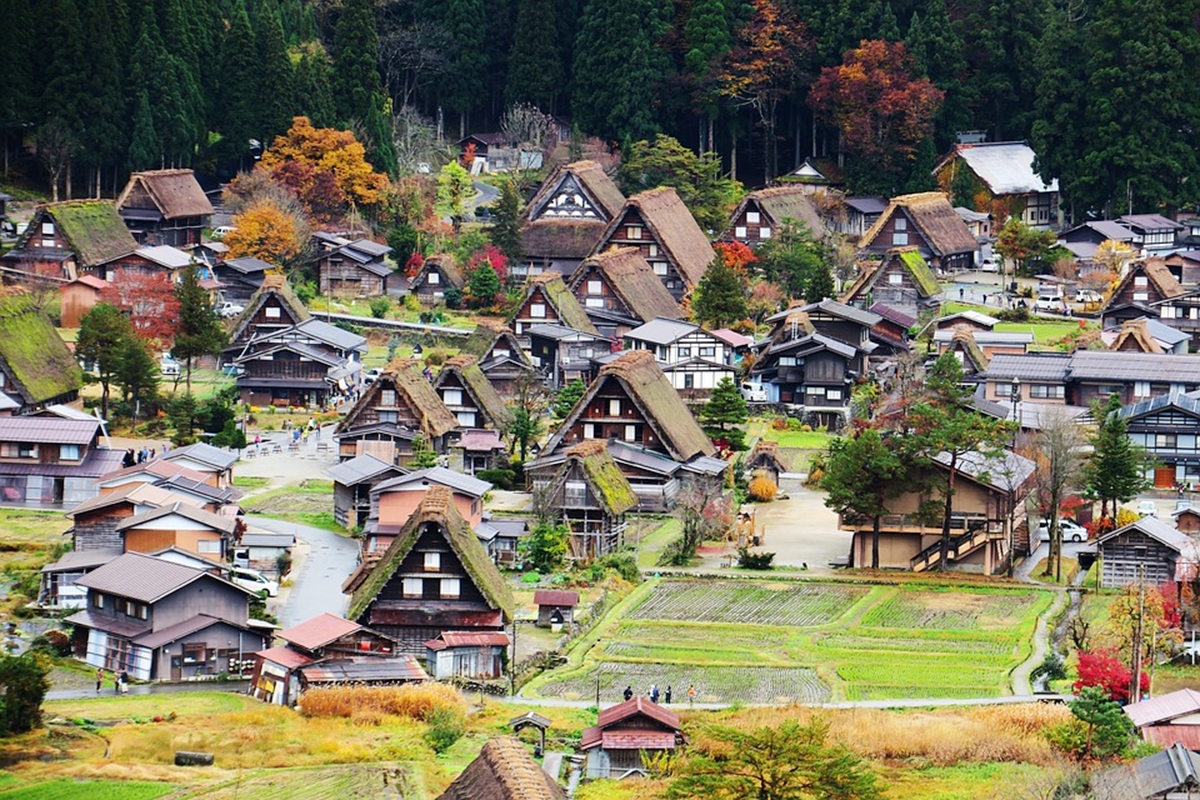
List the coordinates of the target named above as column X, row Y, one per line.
column 28, row 540
column 90, row 790
column 758, row 642
column 1046, row 332
column 309, row 502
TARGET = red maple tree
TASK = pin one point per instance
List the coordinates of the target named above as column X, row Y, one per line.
column 1105, row 669
column 149, row 299
column 736, row 255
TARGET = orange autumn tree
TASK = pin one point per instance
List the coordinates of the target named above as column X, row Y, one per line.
column 265, row 231
column 877, row 104
column 326, row 168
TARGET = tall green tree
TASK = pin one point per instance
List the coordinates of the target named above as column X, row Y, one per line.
column 25, row 679
column 707, row 39
column 788, row 761
column 461, row 87
column 505, row 232
column 454, row 189
column 64, row 91
column 1059, row 133
column 799, row 262
column 358, row 90
column 864, row 472
column 535, row 73
column 697, row 180
column 239, row 86
column 937, row 54
column 18, row 89
column 144, row 146
column 314, row 88
column 723, row 413
column 1116, row 471
column 567, row 397
column 1005, row 40
column 103, row 333
column 619, row 65
column 137, row 375
column 103, row 109
column 199, row 332
column 276, row 87
column 720, row 297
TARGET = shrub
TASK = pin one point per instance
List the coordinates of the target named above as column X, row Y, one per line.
column 1013, row 315
column 380, row 306
column 412, row 303
column 794, row 425
column 53, row 642
column 435, row 357
column 454, row 298
column 748, row 560
column 1052, row 668
column 446, row 726
column 762, row 489
column 502, row 478
column 306, row 292
column 780, row 424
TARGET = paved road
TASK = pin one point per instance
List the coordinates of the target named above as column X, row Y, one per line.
column 322, row 561
column 485, row 194
column 238, row 687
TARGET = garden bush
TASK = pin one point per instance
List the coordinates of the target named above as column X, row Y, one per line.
column 446, row 726
column 762, row 489
column 748, row 560
column 501, row 478
column 380, row 306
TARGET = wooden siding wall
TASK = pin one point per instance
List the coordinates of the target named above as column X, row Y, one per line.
column 1121, row 557
column 345, row 278
column 98, row 531
column 204, row 596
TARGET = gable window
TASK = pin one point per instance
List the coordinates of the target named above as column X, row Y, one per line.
column 752, row 218
column 575, row 492
column 634, row 232
column 68, row 452
column 594, row 287
column 589, row 431
column 614, row 408
column 452, row 397
column 1141, row 388
column 1141, row 281
column 412, row 587
column 47, row 229
column 1142, row 296
column 593, row 302
column 895, row 279
column 450, row 588
column 660, row 267
column 653, row 250
column 764, row 232
column 899, row 239
column 901, row 224
column 433, row 562
column 389, row 416
column 387, row 397
column 537, row 310
column 631, row 433
column 272, row 312
column 433, row 278
column 740, row 232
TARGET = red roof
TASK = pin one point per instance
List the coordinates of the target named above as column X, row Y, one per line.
column 1166, row 735
column 1163, row 708
column 632, row 708
column 467, row 639
column 320, row 631
column 477, row 440
column 637, row 740
column 555, row 597
column 284, row 657
column 92, row 281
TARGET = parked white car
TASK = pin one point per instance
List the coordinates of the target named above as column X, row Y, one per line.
column 254, row 580
column 228, row 309
column 1147, row 508
column 1052, row 303
column 1072, row 531
column 221, row 231
column 167, row 365
column 754, row 392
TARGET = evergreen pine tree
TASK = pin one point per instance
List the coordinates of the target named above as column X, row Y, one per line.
column 707, row 40
column 423, row 456
column 102, row 112
column 64, row 87
column 724, row 411
column 720, row 297
column 102, row 334
column 534, row 69
column 199, row 333
column 937, row 53
column 505, row 232
column 1115, row 473
column 186, row 106
column 355, row 56
column 314, row 88
column 144, row 147
column 239, row 86
column 1005, row 38
column 275, row 80
column 889, row 28
column 920, row 173
column 17, row 89
column 818, row 282
column 461, row 85
column 138, row 376
column 483, row 286
column 567, row 397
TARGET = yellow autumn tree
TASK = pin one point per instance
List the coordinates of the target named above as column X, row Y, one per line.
column 325, row 167
column 267, row 232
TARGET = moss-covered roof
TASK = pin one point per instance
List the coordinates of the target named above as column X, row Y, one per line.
column 33, row 352
column 466, row 367
column 560, row 298
column 436, row 507
column 921, row 274
column 483, row 339
column 274, row 283
column 609, row 484
column 95, row 230
column 964, row 337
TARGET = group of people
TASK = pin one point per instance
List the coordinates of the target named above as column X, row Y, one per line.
column 141, row 456
column 654, row 694
column 120, row 681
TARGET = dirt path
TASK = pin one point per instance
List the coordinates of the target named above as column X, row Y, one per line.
column 1021, row 683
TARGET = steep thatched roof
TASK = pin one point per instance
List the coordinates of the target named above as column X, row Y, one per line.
column 608, row 483
column 466, row 368
column 407, row 378
column 933, row 215
column 274, row 283
column 503, row 770
column 765, row 453
column 1155, row 270
column 591, row 178
column 555, row 290
column 35, row 355
column 675, row 229
column 964, row 339
column 483, row 339
column 910, row 258
column 785, row 202
column 561, row 238
column 94, row 229
column 632, row 279
column 1135, row 336
column 445, row 264
column 437, row 508
column 174, row 192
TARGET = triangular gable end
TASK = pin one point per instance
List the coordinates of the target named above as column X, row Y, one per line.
column 415, row 407
column 569, row 200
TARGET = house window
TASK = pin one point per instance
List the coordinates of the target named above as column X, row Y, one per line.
column 133, row 609
column 537, row 310
column 1003, row 389
column 1045, row 391
column 576, row 492
column 466, row 419
column 389, row 416
column 68, row 452
column 614, row 408
column 193, row 653
column 433, row 562
column 594, row 287
column 833, row 394
column 1165, row 441
column 1167, row 312
column 387, row 397
column 899, row 239
column 18, row 450
column 47, row 229
column 272, row 312
column 689, row 380
column 593, row 302
column 660, row 267
column 740, row 231
column 631, row 433
column 764, row 232
column 412, row 587
column 1141, row 388
column 901, row 224
column 97, row 600
column 450, row 588
column 653, row 250
column 452, row 397
column 1141, row 282
column 1141, row 297
column 787, row 361
column 895, row 279
column 634, row 232
column 752, row 218
column 685, row 352
column 433, row 278
column 589, row 431
column 208, row 546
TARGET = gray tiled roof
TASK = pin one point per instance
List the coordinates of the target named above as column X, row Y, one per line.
column 1003, row 471
column 359, row 469
column 662, row 331
column 437, row 475
column 143, row 578
column 204, row 454
column 1048, row 367
column 560, row 332
column 47, row 430
column 1122, row 366
column 332, row 334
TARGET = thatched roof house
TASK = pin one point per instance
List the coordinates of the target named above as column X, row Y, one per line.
column 927, row 221
column 503, row 770
column 476, row 395
column 620, row 281
column 548, row 301
column 38, row 367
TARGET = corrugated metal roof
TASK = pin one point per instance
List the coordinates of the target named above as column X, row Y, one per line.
column 983, row 338
column 144, row 578
column 1173, row 773
column 142, row 494
column 403, row 668
column 1150, row 222
column 359, row 469
column 203, row 454
column 971, row 316
column 319, row 631
column 637, row 740
column 555, row 597
column 285, row 657
column 48, row 430
column 169, row 634
column 1006, row 167
column 662, row 331
column 265, row 539
column 185, row 509
column 436, row 475
column 1164, row 707
column 480, row 440
column 87, row 619
column 470, row 639
column 342, row 339
column 1156, row 529
column 248, row 264
column 562, row 332
column 638, row 706
column 165, row 255
column 867, row 205
column 1004, row 472
column 82, row 559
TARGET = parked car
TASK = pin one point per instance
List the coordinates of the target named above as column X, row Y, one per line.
column 1051, row 303
column 1072, row 531
column 989, row 266
column 1088, row 296
column 254, row 580
column 1147, row 508
column 228, row 309
column 371, row 375
column 167, row 365
column 754, row 392
column 221, row 231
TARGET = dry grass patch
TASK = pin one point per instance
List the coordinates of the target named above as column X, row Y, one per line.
column 372, row 706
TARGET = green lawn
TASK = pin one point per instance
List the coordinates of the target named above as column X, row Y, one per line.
column 308, row 503
column 67, row 789
column 762, row 642
column 1046, row 332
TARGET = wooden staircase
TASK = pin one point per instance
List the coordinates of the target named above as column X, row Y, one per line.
column 960, row 547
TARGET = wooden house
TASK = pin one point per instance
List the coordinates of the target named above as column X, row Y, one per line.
column 500, row 356
column 391, row 413
column 165, row 206
column 181, row 525
column 627, row 734
column 693, row 359
column 153, row 260
column 52, row 462
column 164, row 621
column 1145, row 282
column 1185, row 264
column 555, row 607
column 356, row 268
column 64, row 241
column 974, row 320
column 58, row 589
column 468, row 394
column 1003, row 172
column 272, row 308
column 1146, row 335
column 661, row 227
column 548, row 301
column 1151, row 232
column 591, row 496
column 761, row 214
column 858, row 214
column 928, row 222
column 503, row 770
column 1166, row 427
column 764, row 459
column 79, row 297
column 37, row 369
column 1166, row 720
column 435, row 577
column 632, row 403
column 478, row 450
column 434, row 277
column 469, row 655
column 619, row 291
column 964, row 344
column 1181, row 312
column 901, row 280
column 215, row 464
column 893, row 331
column 241, row 278
column 1150, row 548
column 563, row 355
column 564, row 220
column 95, row 521
column 1187, row 520
column 395, row 500
column 302, row 366
column 353, row 481
column 989, row 506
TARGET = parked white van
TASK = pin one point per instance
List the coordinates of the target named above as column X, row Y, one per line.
column 753, row 392
column 254, row 580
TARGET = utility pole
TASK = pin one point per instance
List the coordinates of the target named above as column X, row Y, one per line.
column 1135, row 671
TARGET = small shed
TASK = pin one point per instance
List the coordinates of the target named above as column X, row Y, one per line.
column 532, row 719
column 434, row 277
column 78, row 297
column 764, row 459
column 1164, row 553
column 467, row 654
column 1169, row 719
column 555, row 607
column 1173, row 773
column 1187, row 520
column 626, row 734
column 261, row 550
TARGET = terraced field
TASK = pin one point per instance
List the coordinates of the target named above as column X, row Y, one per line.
column 760, row 642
